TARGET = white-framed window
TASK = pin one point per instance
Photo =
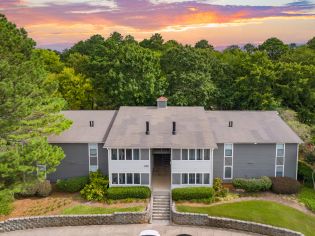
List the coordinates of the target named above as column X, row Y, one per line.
column 190, row 178
column 93, row 157
column 130, row 178
column 125, row 154
column 195, row 154
column 228, row 161
column 280, row 160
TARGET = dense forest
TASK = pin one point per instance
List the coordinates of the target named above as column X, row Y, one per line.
column 105, row 73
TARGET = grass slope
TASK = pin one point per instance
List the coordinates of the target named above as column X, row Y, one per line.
column 82, row 210
column 265, row 212
column 307, row 196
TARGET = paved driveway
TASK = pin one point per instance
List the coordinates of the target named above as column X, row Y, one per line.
column 124, row 230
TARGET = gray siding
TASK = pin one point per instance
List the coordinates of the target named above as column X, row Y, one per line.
column 76, row 161
column 255, row 160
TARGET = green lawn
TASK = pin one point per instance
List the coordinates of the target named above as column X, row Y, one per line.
column 82, row 209
column 307, row 196
column 265, row 212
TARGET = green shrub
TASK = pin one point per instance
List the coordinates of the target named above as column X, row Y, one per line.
column 253, row 185
column 219, row 189
column 116, row 193
column 6, row 200
column 71, row 185
column 29, row 189
column 44, row 188
column 96, row 189
column 285, row 185
column 191, row 193
column 305, row 173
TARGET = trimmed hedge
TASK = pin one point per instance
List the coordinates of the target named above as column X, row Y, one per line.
column 305, row 173
column 253, row 185
column 285, row 185
column 115, row 193
column 191, row 193
column 71, row 185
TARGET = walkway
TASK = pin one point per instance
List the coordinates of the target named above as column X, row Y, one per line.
column 125, row 230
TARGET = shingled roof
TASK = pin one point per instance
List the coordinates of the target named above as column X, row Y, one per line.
column 250, row 127
column 81, row 132
column 195, row 127
column 129, row 128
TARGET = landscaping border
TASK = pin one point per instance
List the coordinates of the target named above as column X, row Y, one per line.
column 182, row 218
column 75, row 220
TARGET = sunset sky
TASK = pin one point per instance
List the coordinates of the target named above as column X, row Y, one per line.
column 58, row 24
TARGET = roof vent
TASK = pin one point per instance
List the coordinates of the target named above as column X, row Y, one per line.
column 147, row 128
column 174, row 128
column 230, row 123
column 161, row 102
column 91, row 123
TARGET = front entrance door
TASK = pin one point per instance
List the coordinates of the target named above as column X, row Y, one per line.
column 161, row 176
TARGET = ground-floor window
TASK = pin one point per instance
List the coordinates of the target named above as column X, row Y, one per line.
column 190, row 178
column 130, row 178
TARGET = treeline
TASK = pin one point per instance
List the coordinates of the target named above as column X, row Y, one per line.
column 101, row 73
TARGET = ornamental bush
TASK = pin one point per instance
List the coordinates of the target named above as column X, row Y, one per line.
column 28, row 190
column 71, row 185
column 253, row 185
column 219, row 189
column 96, row 189
column 44, row 188
column 192, row 193
column 35, row 188
column 285, row 185
column 305, row 173
column 115, row 193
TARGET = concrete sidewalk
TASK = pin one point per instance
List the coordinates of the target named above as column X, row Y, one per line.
column 125, row 230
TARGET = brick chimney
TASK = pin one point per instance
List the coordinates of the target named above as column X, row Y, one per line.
column 161, row 102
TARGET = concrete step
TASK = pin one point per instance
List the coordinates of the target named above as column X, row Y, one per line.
column 161, row 205
column 160, row 217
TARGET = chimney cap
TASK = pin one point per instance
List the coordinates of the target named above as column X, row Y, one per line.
column 162, row 99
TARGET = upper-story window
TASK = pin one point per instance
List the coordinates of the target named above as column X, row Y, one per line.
column 93, row 157
column 280, row 159
column 125, row 154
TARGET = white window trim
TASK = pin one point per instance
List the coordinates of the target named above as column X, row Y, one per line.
column 133, row 179
column 276, row 158
column 125, row 154
column 92, row 145
column 188, row 173
column 203, row 150
column 232, row 156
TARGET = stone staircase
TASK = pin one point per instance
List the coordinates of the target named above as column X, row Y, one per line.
column 161, row 205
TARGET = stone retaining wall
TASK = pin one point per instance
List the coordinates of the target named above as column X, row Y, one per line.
column 226, row 223
column 75, row 220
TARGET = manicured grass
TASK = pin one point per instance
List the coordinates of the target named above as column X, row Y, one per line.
column 82, row 209
column 265, row 212
column 307, row 196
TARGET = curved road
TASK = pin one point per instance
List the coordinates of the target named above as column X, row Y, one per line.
column 125, row 230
